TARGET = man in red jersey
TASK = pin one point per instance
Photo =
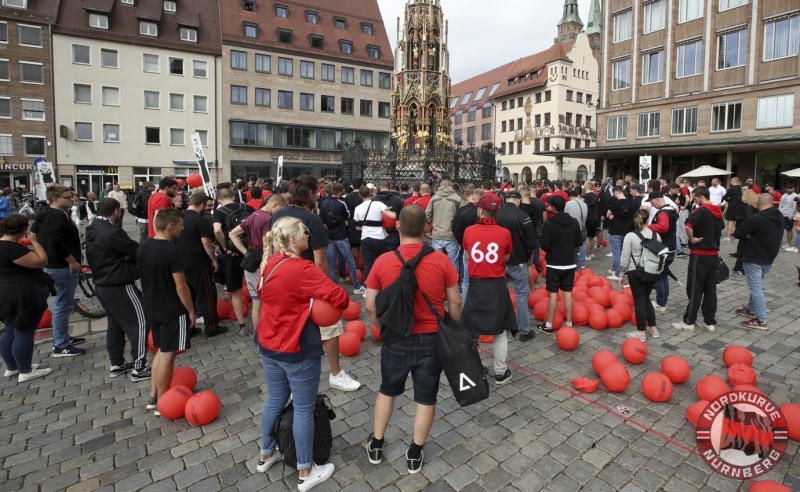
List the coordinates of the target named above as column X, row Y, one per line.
column 161, row 199
column 488, row 309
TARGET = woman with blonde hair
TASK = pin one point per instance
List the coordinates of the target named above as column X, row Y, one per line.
column 290, row 343
column 641, row 290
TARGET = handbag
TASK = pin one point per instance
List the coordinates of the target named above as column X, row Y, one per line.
column 283, row 432
column 251, row 260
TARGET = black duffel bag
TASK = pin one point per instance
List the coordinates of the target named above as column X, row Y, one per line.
column 283, row 432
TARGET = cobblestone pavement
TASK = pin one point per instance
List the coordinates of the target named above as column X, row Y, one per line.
column 77, row 429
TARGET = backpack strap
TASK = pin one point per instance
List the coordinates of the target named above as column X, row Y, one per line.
column 371, row 223
column 264, row 280
column 426, row 250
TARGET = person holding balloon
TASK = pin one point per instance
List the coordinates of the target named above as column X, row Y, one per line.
column 641, row 290
column 290, row 343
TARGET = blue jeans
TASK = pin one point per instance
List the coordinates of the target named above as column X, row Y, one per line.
column 519, row 273
column 342, row 247
column 16, row 346
column 66, row 283
column 465, row 279
column 678, row 247
column 616, row 249
column 449, row 247
column 662, row 284
column 757, row 304
column 580, row 256
column 301, row 380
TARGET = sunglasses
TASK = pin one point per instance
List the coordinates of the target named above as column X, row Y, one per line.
column 307, row 233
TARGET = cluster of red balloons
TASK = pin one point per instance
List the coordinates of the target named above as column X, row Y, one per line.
column 179, row 401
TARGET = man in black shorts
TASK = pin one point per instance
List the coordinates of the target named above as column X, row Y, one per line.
column 561, row 235
column 168, row 307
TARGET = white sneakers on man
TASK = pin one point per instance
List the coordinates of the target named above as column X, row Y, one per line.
column 319, row 473
column 35, row 373
column 344, row 382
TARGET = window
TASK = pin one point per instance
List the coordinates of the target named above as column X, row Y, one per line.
column 200, row 69
column 654, row 16
column 547, row 119
column 653, row 67
column 348, row 75
column 486, row 111
column 200, row 104
column 471, row 114
column 3, row 32
column 578, row 120
column 341, row 24
column 588, row 122
column 567, row 119
column 511, row 125
column 367, row 29
column 238, row 94
column 250, row 31
column 152, row 135
column 569, row 95
column 263, row 97
column 690, row 58
column 6, row 145
column 33, row 145
column 250, row 134
column 110, row 133
column 578, row 145
column 648, row 124
column 5, row 107
column 33, row 109
column 111, row 96
column 537, row 146
column 170, row 6
column 519, row 123
column 502, row 147
column 285, row 66
column 384, row 80
column 327, row 104
column 328, row 72
column 622, row 26
column 690, row 10
column 547, row 96
column 459, row 117
column 347, row 105
column 83, row 132
column 346, row 47
column 732, row 49
column 537, row 120
column 263, row 63
column 17, row 4
column 729, row 4
column 775, row 111
column 316, row 42
column 238, row 60
column 781, row 38
column 546, row 147
column 281, row 12
column 479, row 94
column 366, row 108
column 203, row 134
column 176, row 136
column 579, row 97
column 98, row 21
column 312, row 18
column 471, row 134
column 374, row 52
column 510, row 103
column 684, row 121
column 29, row 35
column 81, row 54
column 176, row 102
column 307, row 69
column 109, row 58
column 151, row 63
column 486, row 131
column 176, row 66
column 726, row 116
column 538, row 97
column 148, row 28
column 567, row 143
column 618, row 128
column 152, row 100
column 31, row 73
column 505, row 105
column 285, row 99
column 82, row 93
column 127, row 2
column 188, row 34
column 284, row 36
column 384, row 110
column 306, row 102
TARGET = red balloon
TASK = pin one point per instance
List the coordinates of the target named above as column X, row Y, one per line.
column 791, row 411
column 223, row 308
column 180, row 183
column 513, row 295
column 615, row 377
column 612, row 296
column 587, row 272
column 604, row 243
column 600, row 295
column 676, row 369
column 567, row 338
column 768, row 486
column 533, row 274
column 360, row 261
column 194, row 180
column 594, row 282
column 172, row 404
column 349, row 344
column 183, row 376
column 634, row 350
column 601, row 359
column 711, row 387
column 693, row 412
column 24, row 241
column 579, row 295
column 150, row 345
column 747, row 387
column 737, row 354
column 580, row 315
column 486, row 338
column 388, row 222
column 353, row 311
column 558, row 320
column 625, row 313
column 657, row 387
column 585, row 384
column 376, row 333
column 540, row 310
column 615, row 318
column 535, row 297
column 202, row 408
column 357, row 327
column 47, row 319
column 598, row 318
column 741, row 374
column 324, row 314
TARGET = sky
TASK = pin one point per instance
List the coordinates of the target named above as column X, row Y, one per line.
column 482, row 38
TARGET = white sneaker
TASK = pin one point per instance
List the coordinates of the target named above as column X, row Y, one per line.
column 683, row 326
column 263, row 466
column 612, row 277
column 710, row 328
column 610, row 255
column 343, row 382
column 35, row 373
column 8, row 373
column 636, row 334
column 590, row 257
column 318, row 475
column 653, row 332
column 791, row 250
column 360, row 290
column 200, row 322
column 784, row 246
column 660, row 309
column 726, row 239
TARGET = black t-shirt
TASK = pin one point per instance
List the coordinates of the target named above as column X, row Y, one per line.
column 190, row 242
column 158, row 260
column 11, row 272
column 591, row 204
column 319, row 238
column 535, row 210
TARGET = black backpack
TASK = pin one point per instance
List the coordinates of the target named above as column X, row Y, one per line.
column 234, row 218
column 138, row 206
column 283, row 432
column 395, row 304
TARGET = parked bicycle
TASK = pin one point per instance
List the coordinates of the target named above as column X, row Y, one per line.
column 86, row 301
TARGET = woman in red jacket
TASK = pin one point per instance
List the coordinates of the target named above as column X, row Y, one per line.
column 290, row 344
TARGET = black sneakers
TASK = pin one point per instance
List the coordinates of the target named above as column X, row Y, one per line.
column 142, row 375
column 544, row 329
column 219, row 331
column 152, row 403
column 415, row 465
column 374, row 454
column 76, row 340
column 504, row 378
column 194, row 332
column 121, row 370
column 525, row 337
column 68, row 351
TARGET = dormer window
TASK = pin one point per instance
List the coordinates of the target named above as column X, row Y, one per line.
column 250, row 31
column 188, row 34
column 374, row 52
column 170, row 6
column 312, row 18
column 316, row 42
column 148, row 28
column 249, row 5
column 284, row 36
column 127, row 2
column 281, row 12
column 367, row 29
column 346, row 47
column 341, row 24
column 99, row 21
column 16, row 4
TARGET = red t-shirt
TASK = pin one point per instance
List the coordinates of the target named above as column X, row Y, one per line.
column 486, row 243
column 546, row 196
column 423, row 201
column 411, row 200
column 776, row 198
column 434, row 274
column 256, row 204
column 755, row 189
column 157, row 201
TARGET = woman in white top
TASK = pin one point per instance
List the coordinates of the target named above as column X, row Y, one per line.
column 631, row 254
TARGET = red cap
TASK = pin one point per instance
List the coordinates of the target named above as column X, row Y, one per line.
column 490, row 202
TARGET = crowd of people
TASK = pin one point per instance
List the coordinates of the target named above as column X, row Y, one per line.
column 286, row 246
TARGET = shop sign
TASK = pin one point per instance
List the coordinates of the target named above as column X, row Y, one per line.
column 185, row 171
column 308, row 156
column 17, row 167
column 98, row 170
column 771, row 160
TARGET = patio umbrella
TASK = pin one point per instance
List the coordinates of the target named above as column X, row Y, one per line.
column 794, row 173
column 704, row 171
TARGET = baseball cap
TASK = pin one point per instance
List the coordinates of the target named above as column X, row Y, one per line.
column 655, row 194
column 514, row 194
column 771, row 185
column 108, row 184
column 637, row 187
column 557, row 183
column 489, row 202
column 789, row 185
column 557, row 202
column 370, row 186
column 283, row 188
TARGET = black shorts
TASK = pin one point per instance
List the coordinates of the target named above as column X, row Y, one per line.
column 417, row 355
column 591, row 227
column 234, row 273
column 172, row 335
column 559, row 280
column 788, row 224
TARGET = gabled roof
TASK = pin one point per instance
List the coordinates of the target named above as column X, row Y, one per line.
column 473, row 85
column 38, row 11
column 535, row 64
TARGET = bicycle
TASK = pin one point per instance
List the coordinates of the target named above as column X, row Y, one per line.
column 86, row 301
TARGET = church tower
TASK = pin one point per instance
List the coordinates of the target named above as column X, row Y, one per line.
column 421, row 98
column 595, row 27
column 570, row 24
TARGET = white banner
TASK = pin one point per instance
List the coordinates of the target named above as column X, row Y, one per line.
column 645, row 165
column 280, row 170
column 208, row 186
column 42, row 178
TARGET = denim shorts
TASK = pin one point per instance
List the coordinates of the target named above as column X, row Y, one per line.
column 418, row 355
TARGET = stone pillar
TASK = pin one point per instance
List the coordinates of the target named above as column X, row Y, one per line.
column 605, row 167
column 728, row 167
column 659, row 168
column 559, row 167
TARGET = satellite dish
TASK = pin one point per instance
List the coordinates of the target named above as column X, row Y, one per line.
column 592, row 106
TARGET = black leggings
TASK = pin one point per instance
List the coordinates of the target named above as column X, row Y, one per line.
column 641, row 299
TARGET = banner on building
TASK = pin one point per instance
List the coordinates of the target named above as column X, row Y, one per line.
column 280, row 170
column 645, row 165
column 208, row 186
column 42, row 178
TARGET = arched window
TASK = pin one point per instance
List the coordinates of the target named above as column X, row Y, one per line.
column 541, row 173
column 527, row 174
column 582, row 174
column 506, row 173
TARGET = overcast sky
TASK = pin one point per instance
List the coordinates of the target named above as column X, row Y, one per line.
column 485, row 34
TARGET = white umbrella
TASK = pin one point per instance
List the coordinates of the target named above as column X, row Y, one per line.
column 794, row 173
column 704, row 171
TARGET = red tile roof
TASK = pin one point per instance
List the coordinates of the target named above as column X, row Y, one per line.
column 531, row 64
column 38, row 11
column 475, row 84
column 355, row 12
